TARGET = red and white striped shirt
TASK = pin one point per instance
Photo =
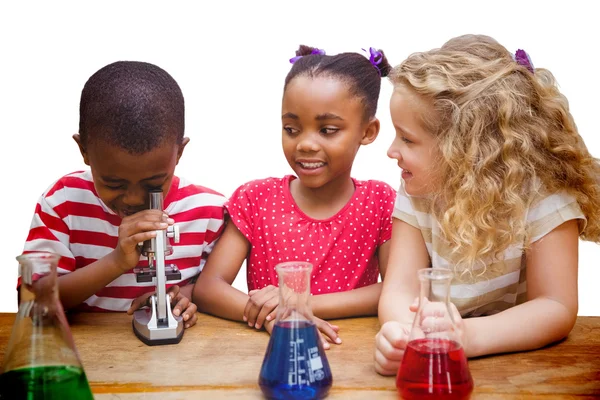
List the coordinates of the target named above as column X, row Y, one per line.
column 72, row 221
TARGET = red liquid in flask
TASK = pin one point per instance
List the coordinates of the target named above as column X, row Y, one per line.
column 434, row 369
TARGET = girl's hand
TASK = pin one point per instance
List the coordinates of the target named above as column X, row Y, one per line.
column 327, row 330
column 179, row 302
column 435, row 322
column 135, row 229
column 324, row 328
column 261, row 306
column 390, row 343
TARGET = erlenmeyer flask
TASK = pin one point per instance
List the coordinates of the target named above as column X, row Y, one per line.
column 434, row 365
column 295, row 365
column 41, row 361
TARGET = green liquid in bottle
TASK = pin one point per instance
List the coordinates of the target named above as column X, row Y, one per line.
column 45, row 383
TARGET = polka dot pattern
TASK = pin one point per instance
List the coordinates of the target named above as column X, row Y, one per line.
column 342, row 248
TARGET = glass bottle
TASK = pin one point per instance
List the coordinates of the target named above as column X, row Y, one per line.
column 41, row 361
column 295, row 365
column 434, row 365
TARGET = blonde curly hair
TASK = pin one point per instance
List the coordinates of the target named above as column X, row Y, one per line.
column 500, row 129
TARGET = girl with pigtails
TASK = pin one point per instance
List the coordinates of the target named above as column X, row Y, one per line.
column 320, row 214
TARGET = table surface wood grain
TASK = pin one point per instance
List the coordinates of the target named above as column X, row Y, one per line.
column 220, row 359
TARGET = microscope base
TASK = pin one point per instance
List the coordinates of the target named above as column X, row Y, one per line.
column 152, row 336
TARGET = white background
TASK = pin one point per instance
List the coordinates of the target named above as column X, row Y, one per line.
column 230, row 59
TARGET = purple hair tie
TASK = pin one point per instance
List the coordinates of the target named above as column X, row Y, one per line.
column 375, row 58
column 320, row 52
column 522, row 58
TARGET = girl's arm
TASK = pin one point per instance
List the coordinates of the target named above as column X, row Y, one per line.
column 352, row 303
column 551, row 310
column 356, row 302
column 213, row 293
column 408, row 254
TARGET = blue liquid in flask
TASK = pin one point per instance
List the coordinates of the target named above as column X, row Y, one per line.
column 295, row 366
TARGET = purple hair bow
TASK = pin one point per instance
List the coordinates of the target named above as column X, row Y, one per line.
column 522, row 58
column 375, row 58
column 315, row 51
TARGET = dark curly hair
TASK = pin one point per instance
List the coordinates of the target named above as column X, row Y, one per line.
column 133, row 105
column 363, row 79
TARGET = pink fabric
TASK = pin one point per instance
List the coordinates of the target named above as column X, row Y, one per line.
column 342, row 249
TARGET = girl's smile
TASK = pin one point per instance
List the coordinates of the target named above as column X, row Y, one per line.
column 415, row 149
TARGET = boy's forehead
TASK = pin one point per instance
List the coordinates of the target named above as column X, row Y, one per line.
column 135, row 135
column 111, row 161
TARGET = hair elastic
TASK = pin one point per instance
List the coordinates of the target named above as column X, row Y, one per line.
column 375, row 57
column 522, row 58
column 314, row 51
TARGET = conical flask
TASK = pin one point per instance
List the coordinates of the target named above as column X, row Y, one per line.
column 295, row 365
column 434, row 365
column 41, row 361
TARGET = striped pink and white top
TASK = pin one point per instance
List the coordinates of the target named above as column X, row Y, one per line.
column 72, row 221
column 502, row 284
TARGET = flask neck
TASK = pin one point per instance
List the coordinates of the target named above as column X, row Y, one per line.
column 434, row 319
column 38, row 277
column 294, row 291
column 40, row 336
column 435, row 286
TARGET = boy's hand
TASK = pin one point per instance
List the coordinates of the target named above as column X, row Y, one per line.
column 325, row 329
column 262, row 306
column 135, row 229
column 179, row 302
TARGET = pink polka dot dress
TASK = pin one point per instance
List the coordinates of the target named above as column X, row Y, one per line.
column 342, row 249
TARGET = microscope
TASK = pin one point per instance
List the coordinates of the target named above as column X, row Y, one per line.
column 157, row 325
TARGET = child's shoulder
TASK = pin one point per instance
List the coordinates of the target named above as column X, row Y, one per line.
column 258, row 192
column 183, row 183
column 81, row 180
column 548, row 209
column 376, row 188
column 69, row 192
column 542, row 200
column 257, row 185
column 186, row 189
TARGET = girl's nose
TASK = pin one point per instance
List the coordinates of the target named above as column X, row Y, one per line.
column 307, row 143
column 394, row 153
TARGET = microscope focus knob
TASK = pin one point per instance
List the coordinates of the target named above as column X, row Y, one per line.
column 173, row 232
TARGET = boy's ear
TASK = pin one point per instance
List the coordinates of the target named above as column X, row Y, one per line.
column 371, row 131
column 184, row 143
column 77, row 139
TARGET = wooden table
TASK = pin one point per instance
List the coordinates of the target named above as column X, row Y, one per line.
column 219, row 359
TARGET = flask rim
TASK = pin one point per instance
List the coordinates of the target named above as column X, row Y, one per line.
column 295, row 266
column 38, row 256
column 435, row 274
